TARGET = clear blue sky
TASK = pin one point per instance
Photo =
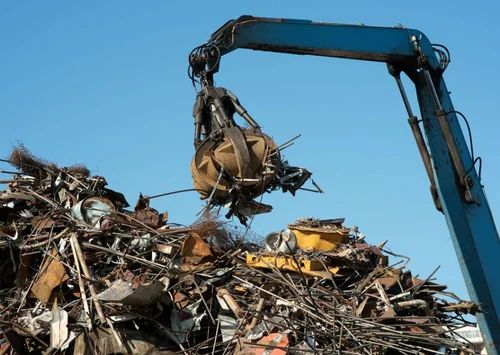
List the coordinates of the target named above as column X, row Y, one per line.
column 104, row 84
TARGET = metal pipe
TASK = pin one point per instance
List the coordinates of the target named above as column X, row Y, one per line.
column 404, row 96
column 231, row 302
column 88, row 275
column 464, row 180
column 255, row 318
column 434, row 94
column 419, row 140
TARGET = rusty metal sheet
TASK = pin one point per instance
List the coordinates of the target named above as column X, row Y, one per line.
column 52, row 274
column 194, row 247
column 272, row 344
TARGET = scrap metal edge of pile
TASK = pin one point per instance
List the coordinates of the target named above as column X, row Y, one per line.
column 81, row 274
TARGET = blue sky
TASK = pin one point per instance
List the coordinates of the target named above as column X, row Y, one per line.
column 105, row 84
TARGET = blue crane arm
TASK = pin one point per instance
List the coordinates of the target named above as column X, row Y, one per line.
column 458, row 192
column 381, row 44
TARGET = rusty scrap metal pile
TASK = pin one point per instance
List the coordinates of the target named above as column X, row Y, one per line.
column 81, row 274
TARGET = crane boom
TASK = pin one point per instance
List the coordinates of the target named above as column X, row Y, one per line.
column 455, row 185
column 381, row 44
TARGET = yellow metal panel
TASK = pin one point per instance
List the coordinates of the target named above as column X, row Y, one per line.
column 318, row 239
column 286, row 262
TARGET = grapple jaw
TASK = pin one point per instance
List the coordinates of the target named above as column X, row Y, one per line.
column 232, row 166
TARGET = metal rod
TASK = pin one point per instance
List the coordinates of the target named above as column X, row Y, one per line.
column 88, row 275
column 170, row 193
column 465, row 181
column 434, row 94
column 288, row 142
column 404, row 96
column 81, row 286
column 419, row 140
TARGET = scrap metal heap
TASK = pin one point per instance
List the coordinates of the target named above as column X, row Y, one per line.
column 81, row 274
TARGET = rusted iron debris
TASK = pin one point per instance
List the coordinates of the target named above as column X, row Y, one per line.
column 82, row 274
